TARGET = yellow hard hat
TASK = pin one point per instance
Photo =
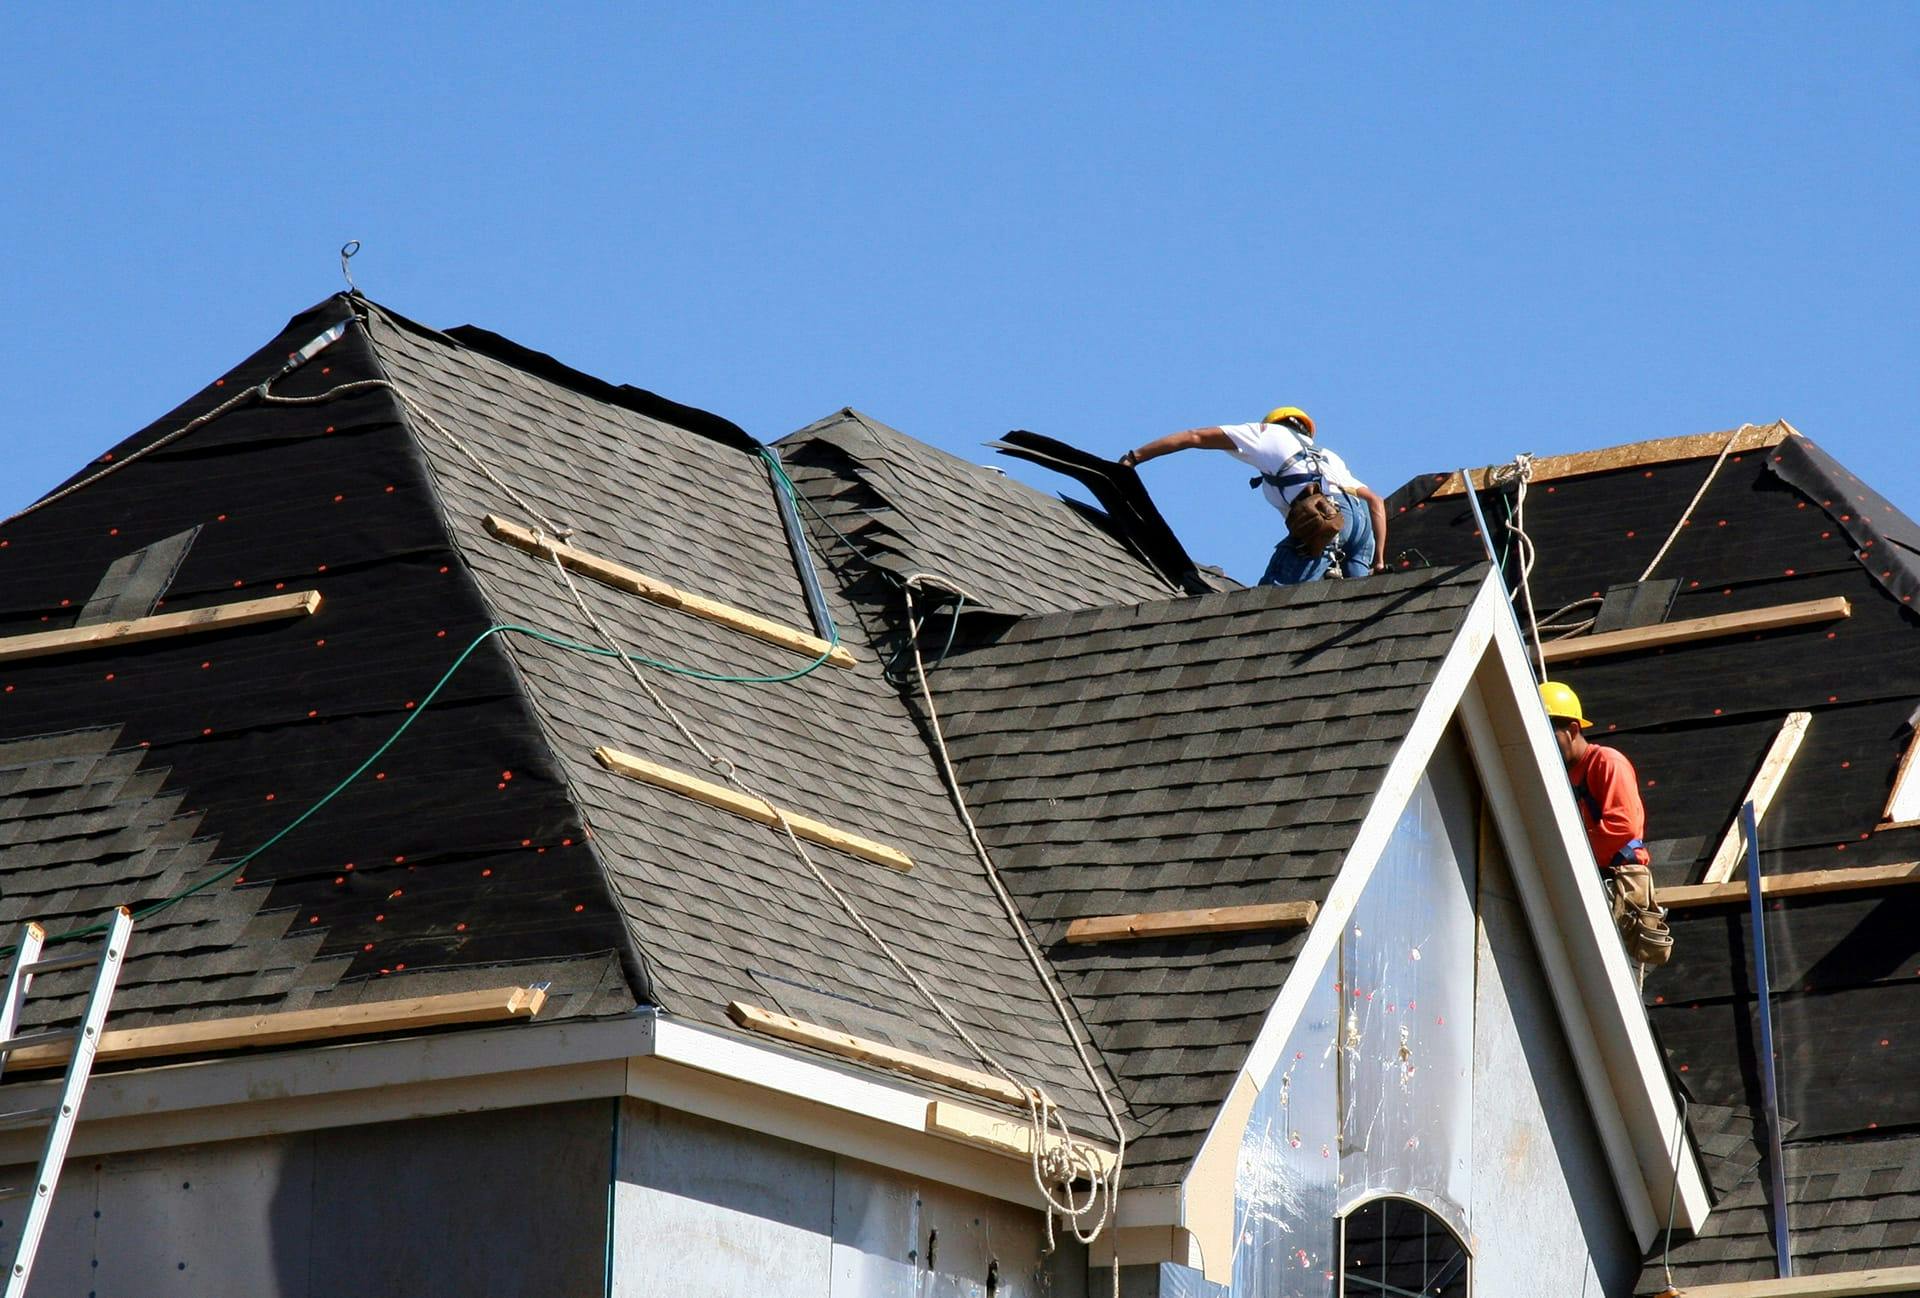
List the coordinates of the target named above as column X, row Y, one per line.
column 1562, row 703
column 1279, row 413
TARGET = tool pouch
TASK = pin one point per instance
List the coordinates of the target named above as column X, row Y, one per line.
column 1313, row 520
column 1641, row 921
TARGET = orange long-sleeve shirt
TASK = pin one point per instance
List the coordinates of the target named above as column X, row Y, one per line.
column 1607, row 789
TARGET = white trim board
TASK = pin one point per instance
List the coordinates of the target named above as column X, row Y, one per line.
column 1485, row 681
column 713, row 1073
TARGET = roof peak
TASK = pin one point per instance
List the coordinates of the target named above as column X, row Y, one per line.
column 1628, row 455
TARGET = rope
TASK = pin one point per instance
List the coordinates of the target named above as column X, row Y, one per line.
column 1104, row 1190
column 1688, row 512
column 318, row 343
column 1521, row 471
column 1057, row 1158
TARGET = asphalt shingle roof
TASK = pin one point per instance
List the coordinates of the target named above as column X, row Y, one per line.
column 1212, row 751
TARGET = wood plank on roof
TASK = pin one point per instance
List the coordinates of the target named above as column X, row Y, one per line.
column 999, row 1133
column 1889, row 1280
column 656, row 591
column 295, row 1027
column 1772, row 618
column 1633, row 455
column 750, row 807
column 1766, row 783
column 159, row 626
column 1185, row 923
column 1802, row 883
column 877, row 1053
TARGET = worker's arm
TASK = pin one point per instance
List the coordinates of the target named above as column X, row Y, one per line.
column 1211, row 439
column 1378, row 508
column 1615, row 789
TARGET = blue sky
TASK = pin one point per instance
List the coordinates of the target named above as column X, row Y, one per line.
column 1450, row 232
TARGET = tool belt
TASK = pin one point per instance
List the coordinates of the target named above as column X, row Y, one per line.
column 1313, row 518
column 1642, row 921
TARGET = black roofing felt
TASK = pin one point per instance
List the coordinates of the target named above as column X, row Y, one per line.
column 435, row 863
column 1213, row 751
column 1776, row 526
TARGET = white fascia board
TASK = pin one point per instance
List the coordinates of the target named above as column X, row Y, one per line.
column 338, row 1085
column 696, row 1070
column 1389, row 802
column 1590, row 975
column 826, row 1105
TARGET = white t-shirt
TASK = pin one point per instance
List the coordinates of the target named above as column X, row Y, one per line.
column 1277, row 449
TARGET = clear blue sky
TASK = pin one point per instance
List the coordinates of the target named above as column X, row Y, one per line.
column 1450, row 232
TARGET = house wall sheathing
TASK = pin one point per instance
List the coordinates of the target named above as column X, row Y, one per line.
column 1429, row 1064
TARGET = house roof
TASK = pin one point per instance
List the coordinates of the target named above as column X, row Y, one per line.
column 486, row 843
column 1213, row 751
column 1780, row 522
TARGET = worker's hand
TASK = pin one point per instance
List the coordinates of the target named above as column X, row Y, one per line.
column 1130, row 459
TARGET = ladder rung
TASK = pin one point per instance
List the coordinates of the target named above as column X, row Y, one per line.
column 18, row 1118
column 15, row 1192
column 26, row 1039
column 53, row 964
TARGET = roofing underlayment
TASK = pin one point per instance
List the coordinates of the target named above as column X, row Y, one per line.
column 1780, row 522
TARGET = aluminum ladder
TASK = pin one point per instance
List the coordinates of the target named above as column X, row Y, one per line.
column 82, row 1040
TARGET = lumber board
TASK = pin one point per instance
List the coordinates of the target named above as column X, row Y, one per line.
column 1800, row 884
column 1891, row 1280
column 999, row 1133
column 159, row 626
column 295, row 1027
column 1184, row 923
column 752, row 808
column 1766, row 783
column 634, row 582
column 879, row 1054
column 1903, row 802
column 1662, row 634
column 1634, row 455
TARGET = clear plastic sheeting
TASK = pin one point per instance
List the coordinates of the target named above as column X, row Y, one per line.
column 1372, row 1093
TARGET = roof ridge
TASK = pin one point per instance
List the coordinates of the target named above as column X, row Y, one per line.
column 1628, row 455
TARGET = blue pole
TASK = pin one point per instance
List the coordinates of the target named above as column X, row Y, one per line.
column 1782, row 1243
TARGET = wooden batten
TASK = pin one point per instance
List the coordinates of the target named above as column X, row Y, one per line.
column 1804, row 883
column 1719, row 626
column 1635, row 455
column 999, row 1133
column 1186, row 923
column 1766, row 783
column 634, row 582
column 159, row 626
column 1891, row 1281
column 878, row 1054
column 752, row 808
column 295, row 1027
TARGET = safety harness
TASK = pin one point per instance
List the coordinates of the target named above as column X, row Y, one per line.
column 1313, row 517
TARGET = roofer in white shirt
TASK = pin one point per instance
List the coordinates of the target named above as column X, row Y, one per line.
column 1327, row 509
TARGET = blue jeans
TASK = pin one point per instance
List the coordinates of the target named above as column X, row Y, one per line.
column 1289, row 567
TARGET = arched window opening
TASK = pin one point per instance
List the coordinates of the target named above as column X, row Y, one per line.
column 1394, row 1248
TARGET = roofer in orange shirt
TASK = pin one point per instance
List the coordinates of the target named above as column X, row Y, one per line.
column 1607, row 788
